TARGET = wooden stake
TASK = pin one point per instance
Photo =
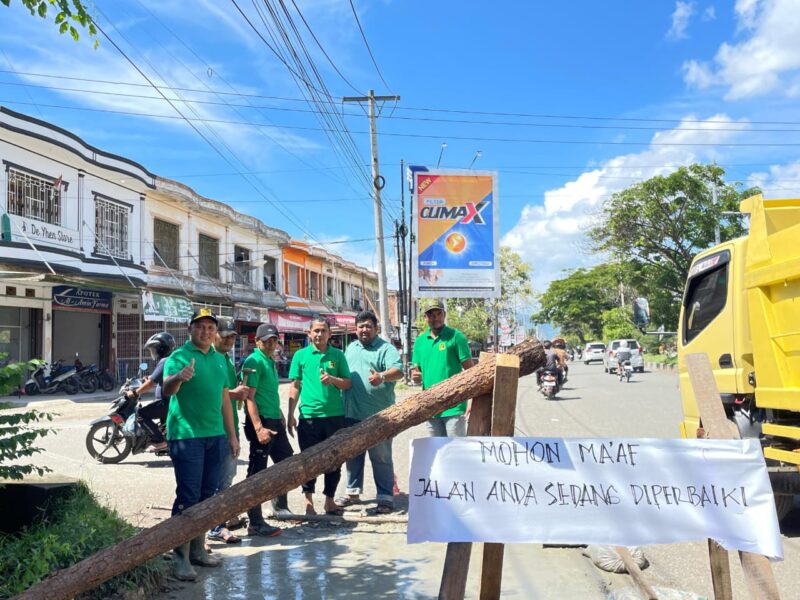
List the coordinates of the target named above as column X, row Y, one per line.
column 636, row 573
column 504, row 406
column 757, row 570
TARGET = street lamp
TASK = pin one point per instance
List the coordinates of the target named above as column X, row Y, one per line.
column 478, row 154
column 438, row 162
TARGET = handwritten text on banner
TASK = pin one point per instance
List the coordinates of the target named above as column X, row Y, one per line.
column 592, row 491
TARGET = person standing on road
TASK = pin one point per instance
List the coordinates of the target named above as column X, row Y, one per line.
column 375, row 366
column 200, row 430
column 439, row 353
column 223, row 343
column 264, row 424
column 319, row 373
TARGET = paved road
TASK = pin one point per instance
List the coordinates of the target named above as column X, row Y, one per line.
column 312, row 561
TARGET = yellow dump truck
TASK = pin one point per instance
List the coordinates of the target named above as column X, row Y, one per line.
column 741, row 306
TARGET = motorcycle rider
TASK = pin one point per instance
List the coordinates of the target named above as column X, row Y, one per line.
column 623, row 354
column 160, row 346
column 551, row 361
column 559, row 346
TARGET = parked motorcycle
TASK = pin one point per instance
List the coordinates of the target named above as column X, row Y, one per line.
column 87, row 376
column 548, row 383
column 47, row 379
column 113, row 437
column 626, row 371
column 107, row 382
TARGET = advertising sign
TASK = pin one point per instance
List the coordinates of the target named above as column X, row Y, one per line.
column 160, row 307
column 456, row 248
column 75, row 298
column 615, row 491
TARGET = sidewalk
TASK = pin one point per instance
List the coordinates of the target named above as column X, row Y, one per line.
column 98, row 397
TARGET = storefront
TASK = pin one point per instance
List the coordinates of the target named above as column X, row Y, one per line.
column 293, row 328
column 82, row 325
column 25, row 320
column 343, row 329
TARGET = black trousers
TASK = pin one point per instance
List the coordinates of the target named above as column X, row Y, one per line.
column 311, row 432
column 278, row 449
column 147, row 415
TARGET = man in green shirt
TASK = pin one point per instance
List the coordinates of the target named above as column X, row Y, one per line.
column 264, row 424
column 223, row 343
column 375, row 366
column 439, row 353
column 319, row 372
column 200, row 431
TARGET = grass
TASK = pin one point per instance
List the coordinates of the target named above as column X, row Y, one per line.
column 661, row 358
column 78, row 528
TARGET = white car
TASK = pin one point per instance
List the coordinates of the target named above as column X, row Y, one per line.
column 610, row 356
column 594, row 351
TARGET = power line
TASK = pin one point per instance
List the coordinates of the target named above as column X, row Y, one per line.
column 366, row 43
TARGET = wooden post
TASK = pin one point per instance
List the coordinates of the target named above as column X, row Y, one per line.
column 504, row 406
column 636, row 573
column 456, row 561
column 277, row 479
column 757, row 571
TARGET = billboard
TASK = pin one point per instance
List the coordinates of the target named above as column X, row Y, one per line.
column 456, row 242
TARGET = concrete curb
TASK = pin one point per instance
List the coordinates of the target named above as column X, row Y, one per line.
column 659, row 367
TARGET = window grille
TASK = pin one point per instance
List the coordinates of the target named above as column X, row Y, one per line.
column 241, row 269
column 111, row 228
column 166, row 238
column 33, row 197
column 209, row 257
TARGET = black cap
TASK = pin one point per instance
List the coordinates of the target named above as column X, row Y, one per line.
column 226, row 327
column 265, row 331
column 435, row 305
column 203, row 313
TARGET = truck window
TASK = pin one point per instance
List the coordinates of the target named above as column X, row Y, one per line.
column 704, row 301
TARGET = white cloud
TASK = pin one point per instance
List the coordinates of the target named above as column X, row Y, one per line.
column 766, row 61
column 709, row 14
column 552, row 236
column 781, row 181
column 680, row 20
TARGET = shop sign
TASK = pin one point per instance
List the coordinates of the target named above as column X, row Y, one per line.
column 346, row 322
column 75, row 298
column 24, row 229
column 286, row 321
column 160, row 307
column 251, row 314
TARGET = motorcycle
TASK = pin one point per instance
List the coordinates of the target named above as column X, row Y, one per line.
column 87, row 376
column 113, row 437
column 47, row 379
column 548, row 383
column 625, row 371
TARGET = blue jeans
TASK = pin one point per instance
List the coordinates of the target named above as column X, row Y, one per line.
column 227, row 473
column 455, row 426
column 380, row 456
column 198, row 466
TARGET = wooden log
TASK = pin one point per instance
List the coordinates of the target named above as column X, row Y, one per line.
column 504, row 406
column 277, row 479
column 456, row 561
column 636, row 573
column 757, row 571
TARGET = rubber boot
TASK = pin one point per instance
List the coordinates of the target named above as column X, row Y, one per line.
column 198, row 555
column 255, row 516
column 181, row 567
column 281, row 503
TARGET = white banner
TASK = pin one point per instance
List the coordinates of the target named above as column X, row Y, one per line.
column 625, row 492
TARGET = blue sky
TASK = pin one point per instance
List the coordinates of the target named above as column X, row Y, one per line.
column 596, row 96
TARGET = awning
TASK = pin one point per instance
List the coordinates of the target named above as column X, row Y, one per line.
column 342, row 323
column 289, row 321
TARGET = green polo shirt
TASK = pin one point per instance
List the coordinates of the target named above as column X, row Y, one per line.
column 265, row 380
column 439, row 358
column 232, row 383
column 196, row 410
column 317, row 400
column 363, row 399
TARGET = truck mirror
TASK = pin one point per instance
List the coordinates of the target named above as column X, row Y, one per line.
column 641, row 313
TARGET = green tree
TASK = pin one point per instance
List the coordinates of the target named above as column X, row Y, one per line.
column 618, row 323
column 475, row 316
column 576, row 303
column 18, row 430
column 70, row 14
column 655, row 227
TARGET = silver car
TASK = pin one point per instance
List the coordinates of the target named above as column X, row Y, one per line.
column 595, row 351
column 610, row 356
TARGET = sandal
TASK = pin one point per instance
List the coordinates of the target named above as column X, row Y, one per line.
column 343, row 502
column 223, row 535
column 384, row 509
column 335, row 512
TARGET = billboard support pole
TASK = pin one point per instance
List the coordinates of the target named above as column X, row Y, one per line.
column 377, row 186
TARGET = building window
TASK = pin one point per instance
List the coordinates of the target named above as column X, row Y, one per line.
column 34, row 197
column 241, row 265
column 293, row 287
column 270, row 274
column 111, row 228
column 209, row 257
column 166, row 238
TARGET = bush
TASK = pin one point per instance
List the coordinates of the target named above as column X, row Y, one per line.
column 76, row 529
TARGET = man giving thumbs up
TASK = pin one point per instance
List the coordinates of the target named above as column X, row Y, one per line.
column 200, row 430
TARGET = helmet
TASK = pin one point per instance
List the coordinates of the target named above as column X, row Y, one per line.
column 547, row 344
column 623, row 344
column 560, row 343
column 160, row 345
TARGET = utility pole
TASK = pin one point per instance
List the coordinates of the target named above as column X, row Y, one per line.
column 377, row 185
column 714, row 201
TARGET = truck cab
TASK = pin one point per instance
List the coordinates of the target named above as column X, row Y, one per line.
column 741, row 306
